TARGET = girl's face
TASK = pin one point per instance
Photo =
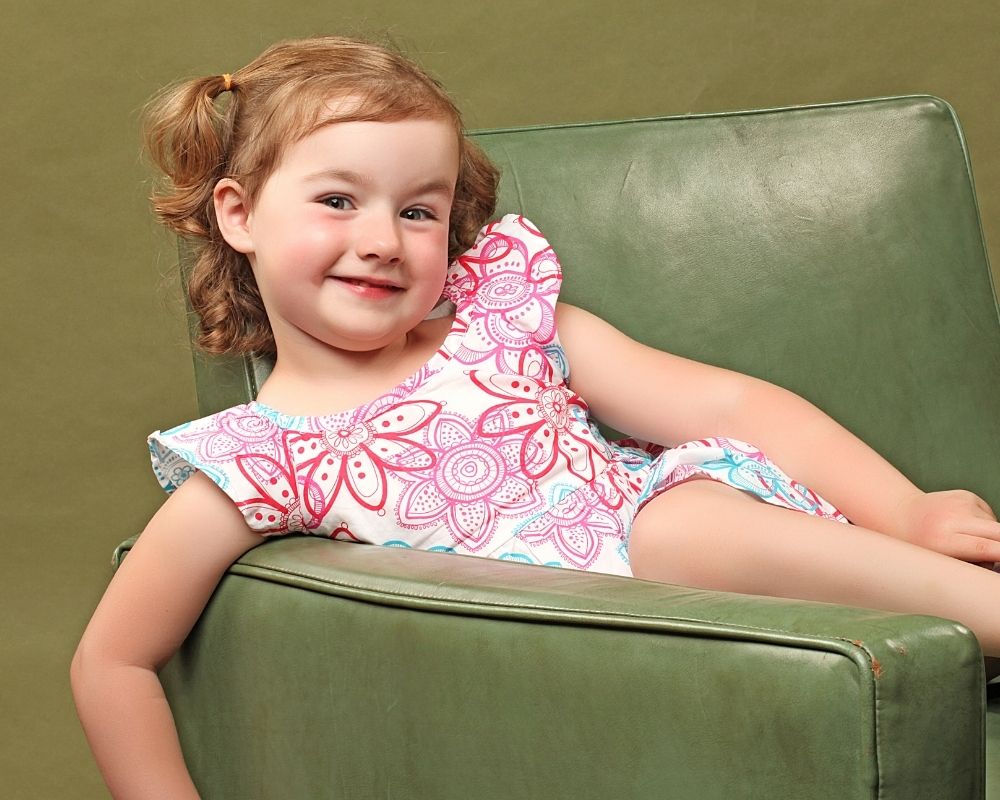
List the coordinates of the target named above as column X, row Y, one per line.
column 348, row 238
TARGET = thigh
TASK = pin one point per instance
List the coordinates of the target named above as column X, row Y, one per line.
column 709, row 535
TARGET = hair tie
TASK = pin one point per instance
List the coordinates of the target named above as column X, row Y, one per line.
column 227, row 81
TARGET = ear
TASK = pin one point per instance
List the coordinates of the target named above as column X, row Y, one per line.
column 233, row 215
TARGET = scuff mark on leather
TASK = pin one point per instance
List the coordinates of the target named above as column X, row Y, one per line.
column 876, row 664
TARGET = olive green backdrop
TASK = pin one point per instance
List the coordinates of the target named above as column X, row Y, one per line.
column 95, row 351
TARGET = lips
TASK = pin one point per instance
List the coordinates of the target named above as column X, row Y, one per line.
column 368, row 289
column 370, row 283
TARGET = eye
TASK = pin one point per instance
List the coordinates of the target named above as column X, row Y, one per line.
column 418, row 214
column 337, row 202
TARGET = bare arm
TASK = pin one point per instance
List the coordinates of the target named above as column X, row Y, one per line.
column 151, row 604
column 667, row 399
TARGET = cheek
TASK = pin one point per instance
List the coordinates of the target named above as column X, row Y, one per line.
column 434, row 252
column 307, row 248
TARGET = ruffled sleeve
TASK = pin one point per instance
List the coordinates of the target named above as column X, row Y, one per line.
column 505, row 290
column 244, row 453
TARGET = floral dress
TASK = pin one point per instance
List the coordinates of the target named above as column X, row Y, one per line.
column 486, row 450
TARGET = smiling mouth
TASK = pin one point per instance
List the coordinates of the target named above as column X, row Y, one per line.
column 371, row 284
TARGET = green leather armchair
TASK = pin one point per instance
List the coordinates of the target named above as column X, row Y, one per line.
column 835, row 250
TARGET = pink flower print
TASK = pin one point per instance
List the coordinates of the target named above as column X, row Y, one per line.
column 617, row 483
column 231, row 432
column 460, row 283
column 576, row 526
column 359, row 455
column 515, row 292
column 276, row 509
column 470, row 486
column 551, row 419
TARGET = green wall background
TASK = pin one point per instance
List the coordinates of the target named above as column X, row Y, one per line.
column 93, row 331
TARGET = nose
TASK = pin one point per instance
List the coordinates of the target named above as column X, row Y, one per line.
column 378, row 238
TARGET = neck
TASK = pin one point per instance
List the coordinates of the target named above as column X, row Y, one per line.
column 312, row 378
column 319, row 360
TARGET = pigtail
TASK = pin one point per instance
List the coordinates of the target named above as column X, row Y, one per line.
column 231, row 314
column 188, row 137
column 184, row 135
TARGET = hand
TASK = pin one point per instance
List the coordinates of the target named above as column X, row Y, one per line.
column 956, row 522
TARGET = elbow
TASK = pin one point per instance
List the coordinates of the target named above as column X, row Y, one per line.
column 89, row 670
column 94, row 678
column 750, row 405
column 736, row 398
column 98, row 667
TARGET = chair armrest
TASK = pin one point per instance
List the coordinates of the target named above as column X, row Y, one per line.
column 327, row 669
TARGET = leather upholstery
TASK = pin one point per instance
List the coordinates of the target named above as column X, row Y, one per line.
column 833, row 249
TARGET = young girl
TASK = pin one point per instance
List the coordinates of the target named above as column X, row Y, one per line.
column 428, row 391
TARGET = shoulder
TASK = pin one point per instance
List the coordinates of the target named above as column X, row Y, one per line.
column 514, row 226
column 242, row 450
column 226, row 419
column 505, row 290
column 209, row 444
column 509, row 245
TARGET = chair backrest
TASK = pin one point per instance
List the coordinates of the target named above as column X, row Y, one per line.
column 834, row 249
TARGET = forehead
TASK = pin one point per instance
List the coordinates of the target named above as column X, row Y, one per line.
column 407, row 147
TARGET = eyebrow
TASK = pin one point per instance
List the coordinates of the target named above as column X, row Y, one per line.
column 435, row 186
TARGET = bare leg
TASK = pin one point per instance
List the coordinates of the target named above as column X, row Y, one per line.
column 712, row 536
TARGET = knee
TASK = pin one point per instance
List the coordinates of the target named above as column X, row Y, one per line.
column 671, row 537
column 667, row 541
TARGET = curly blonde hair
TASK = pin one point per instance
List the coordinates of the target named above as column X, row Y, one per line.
column 276, row 100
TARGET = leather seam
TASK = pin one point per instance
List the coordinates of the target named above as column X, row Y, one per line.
column 521, row 606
